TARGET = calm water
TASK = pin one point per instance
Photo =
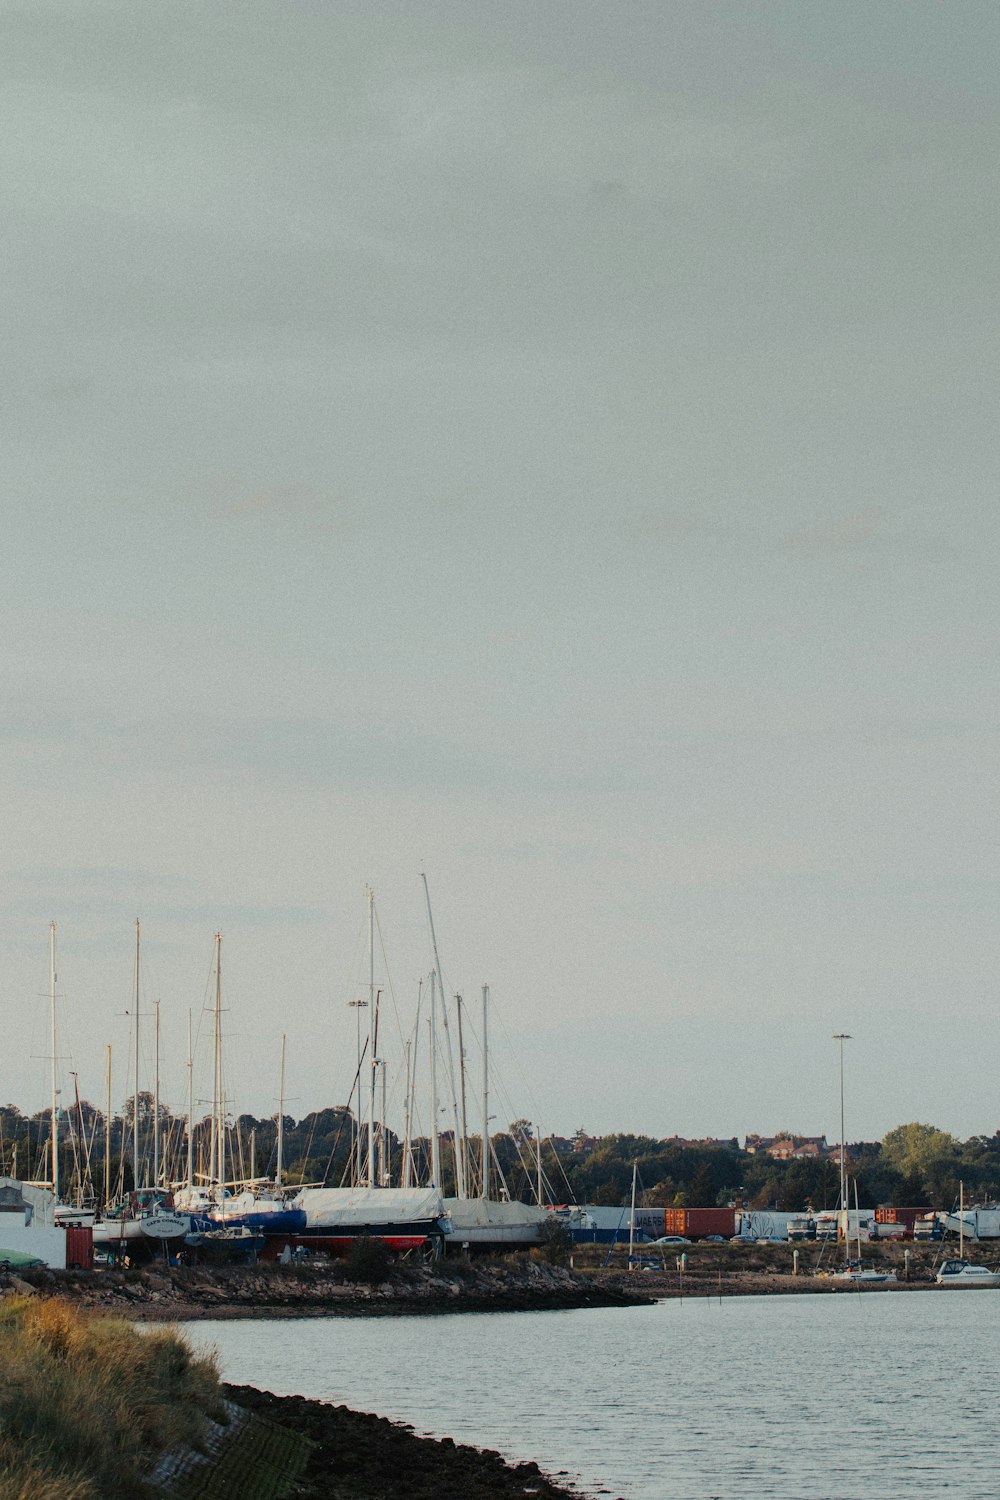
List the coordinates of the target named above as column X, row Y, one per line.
column 806, row 1397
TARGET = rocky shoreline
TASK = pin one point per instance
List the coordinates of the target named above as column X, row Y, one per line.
column 159, row 1293
column 358, row 1456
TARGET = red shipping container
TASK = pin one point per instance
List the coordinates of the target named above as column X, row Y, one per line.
column 907, row 1216
column 697, row 1223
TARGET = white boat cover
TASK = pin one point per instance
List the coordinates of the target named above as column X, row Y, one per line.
column 334, row 1208
column 492, row 1220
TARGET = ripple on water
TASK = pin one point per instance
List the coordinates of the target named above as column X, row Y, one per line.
column 804, row 1398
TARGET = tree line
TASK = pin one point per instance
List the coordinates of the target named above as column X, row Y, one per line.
column 914, row 1164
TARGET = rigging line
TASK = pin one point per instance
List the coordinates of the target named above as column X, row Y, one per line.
column 497, row 1011
column 388, row 976
column 344, row 1117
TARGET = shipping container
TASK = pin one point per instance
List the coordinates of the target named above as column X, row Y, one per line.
column 649, row 1222
column 697, row 1223
column 904, row 1216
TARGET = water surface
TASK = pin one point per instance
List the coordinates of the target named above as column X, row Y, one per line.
column 805, row 1398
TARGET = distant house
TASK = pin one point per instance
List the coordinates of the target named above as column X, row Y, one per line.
column 787, row 1147
column 577, row 1145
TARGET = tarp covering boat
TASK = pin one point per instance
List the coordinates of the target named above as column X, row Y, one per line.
column 490, row 1221
column 353, row 1207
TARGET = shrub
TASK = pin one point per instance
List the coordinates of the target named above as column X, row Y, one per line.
column 557, row 1241
column 368, row 1260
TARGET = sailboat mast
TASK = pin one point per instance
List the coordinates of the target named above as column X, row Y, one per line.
column 217, row 1100
column 383, row 1157
column 459, row 1171
column 631, row 1220
column 405, row 1174
column 156, row 1100
column 461, row 1077
column 372, row 1063
column 54, row 1101
column 107, row 1136
column 135, row 1099
column 435, row 1143
column 191, row 1109
column 280, row 1144
column 412, row 1055
column 841, row 1037
column 485, row 1152
column 538, row 1164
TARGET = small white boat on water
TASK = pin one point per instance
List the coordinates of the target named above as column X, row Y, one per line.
column 964, row 1273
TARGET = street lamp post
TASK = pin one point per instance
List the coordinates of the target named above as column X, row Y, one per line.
column 842, row 1037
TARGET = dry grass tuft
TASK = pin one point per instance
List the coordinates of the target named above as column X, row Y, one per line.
column 88, row 1403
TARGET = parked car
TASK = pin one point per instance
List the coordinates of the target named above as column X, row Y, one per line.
column 671, row 1239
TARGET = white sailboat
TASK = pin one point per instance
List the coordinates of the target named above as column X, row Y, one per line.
column 483, row 1222
column 145, row 1218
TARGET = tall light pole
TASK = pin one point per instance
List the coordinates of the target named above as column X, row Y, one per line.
column 842, row 1037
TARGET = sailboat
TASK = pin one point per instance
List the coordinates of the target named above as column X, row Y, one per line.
column 486, row 1223
column 854, row 1272
column 145, row 1217
column 405, row 1218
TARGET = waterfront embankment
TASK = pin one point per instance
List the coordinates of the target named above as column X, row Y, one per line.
column 358, row 1456
column 160, row 1293
column 758, row 1268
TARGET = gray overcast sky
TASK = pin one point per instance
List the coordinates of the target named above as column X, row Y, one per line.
column 552, row 445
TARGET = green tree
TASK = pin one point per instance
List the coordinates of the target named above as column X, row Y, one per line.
column 702, row 1192
column 920, row 1149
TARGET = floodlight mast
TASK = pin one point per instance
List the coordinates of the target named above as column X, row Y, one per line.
column 841, row 1037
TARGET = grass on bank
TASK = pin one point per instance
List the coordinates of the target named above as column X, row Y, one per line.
column 88, row 1403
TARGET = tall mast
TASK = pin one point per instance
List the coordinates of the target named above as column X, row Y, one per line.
column 372, row 1063
column 538, row 1163
column 405, row 1174
column 156, row 1100
column 459, row 1171
column 55, row 1105
column 217, row 1099
column 83, row 1160
column 383, row 1158
column 281, row 1116
column 435, row 1143
column 412, row 1054
column 485, row 1152
column 841, row 1037
column 190, row 1111
column 135, row 1101
column 631, row 1221
column 461, row 1077
column 107, row 1137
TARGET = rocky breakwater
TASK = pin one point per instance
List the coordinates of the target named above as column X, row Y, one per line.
column 171, row 1294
